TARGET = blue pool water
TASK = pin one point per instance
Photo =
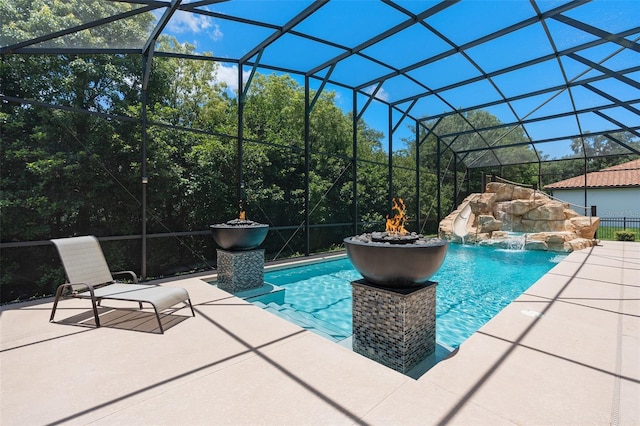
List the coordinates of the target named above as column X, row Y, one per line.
column 474, row 284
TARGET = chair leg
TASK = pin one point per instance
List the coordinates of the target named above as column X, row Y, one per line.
column 158, row 314
column 57, row 298
column 55, row 301
column 95, row 307
column 158, row 317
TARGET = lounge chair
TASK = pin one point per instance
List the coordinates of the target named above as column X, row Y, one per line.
column 89, row 278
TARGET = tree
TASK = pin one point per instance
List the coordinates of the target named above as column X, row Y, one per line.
column 491, row 150
column 601, row 151
column 274, row 120
column 64, row 172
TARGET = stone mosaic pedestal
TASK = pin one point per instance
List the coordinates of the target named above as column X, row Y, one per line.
column 395, row 327
column 240, row 270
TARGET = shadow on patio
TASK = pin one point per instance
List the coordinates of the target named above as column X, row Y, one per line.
column 575, row 362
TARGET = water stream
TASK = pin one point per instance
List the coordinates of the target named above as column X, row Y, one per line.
column 515, row 241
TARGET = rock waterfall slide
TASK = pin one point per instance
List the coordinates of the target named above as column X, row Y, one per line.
column 461, row 220
column 549, row 224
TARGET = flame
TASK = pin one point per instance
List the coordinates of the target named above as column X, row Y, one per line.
column 395, row 224
column 243, row 215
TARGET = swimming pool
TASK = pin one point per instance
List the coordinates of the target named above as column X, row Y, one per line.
column 474, row 284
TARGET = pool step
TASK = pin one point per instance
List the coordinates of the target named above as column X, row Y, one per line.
column 304, row 320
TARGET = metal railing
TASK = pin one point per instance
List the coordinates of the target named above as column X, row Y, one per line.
column 610, row 225
column 494, row 178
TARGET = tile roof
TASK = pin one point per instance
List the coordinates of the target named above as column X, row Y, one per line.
column 620, row 176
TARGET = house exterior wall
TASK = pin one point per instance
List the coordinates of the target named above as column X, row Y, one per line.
column 610, row 202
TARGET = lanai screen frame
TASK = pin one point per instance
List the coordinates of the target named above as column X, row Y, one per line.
column 406, row 107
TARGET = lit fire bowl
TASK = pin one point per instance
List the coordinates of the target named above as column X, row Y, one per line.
column 239, row 234
column 388, row 261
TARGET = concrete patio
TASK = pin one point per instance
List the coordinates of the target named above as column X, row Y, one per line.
column 566, row 352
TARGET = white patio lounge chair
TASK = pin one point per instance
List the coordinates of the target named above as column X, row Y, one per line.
column 89, row 278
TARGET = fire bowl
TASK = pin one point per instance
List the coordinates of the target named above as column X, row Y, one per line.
column 239, row 235
column 396, row 265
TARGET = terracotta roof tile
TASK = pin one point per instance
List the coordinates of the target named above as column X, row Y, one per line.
column 622, row 175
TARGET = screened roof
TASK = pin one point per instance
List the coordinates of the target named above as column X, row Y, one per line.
column 550, row 71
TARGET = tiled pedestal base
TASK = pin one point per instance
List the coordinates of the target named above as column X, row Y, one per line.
column 395, row 327
column 240, row 270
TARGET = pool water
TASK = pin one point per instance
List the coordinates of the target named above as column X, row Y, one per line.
column 474, row 284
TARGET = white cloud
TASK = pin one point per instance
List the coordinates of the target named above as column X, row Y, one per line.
column 229, row 75
column 216, row 34
column 381, row 95
column 185, row 22
column 182, row 22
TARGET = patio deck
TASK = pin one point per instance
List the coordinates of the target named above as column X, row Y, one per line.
column 576, row 363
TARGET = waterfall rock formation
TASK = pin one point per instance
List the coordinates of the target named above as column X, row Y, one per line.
column 547, row 224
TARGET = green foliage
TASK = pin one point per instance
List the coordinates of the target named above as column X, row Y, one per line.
column 66, row 172
column 625, row 235
column 25, row 19
column 601, row 153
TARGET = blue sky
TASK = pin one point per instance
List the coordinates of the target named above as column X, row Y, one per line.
column 351, row 22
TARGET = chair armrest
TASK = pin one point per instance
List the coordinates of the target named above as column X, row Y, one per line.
column 74, row 288
column 132, row 274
